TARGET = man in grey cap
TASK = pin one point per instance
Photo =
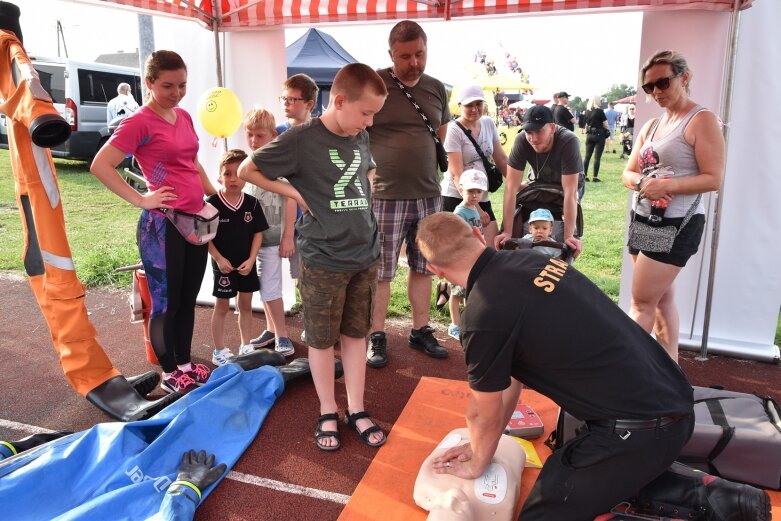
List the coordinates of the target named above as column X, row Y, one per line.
column 561, row 114
column 553, row 153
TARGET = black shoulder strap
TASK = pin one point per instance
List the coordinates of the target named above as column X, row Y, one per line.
column 479, row 150
column 414, row 104
column 719, row 418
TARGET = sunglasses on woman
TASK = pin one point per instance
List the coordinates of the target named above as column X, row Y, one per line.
column 661, row 84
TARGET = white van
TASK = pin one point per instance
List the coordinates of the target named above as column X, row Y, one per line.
column 81, row 91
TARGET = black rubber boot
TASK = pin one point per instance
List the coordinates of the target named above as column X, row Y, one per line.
column 37, row 439
column 682, row 492
column 145, row 383
column 258, row 358
column 300, row 367
column 295, row 369
column 117, row 398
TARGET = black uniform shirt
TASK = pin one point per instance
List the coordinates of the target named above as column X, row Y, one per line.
column 238, row 225
column 544, row 323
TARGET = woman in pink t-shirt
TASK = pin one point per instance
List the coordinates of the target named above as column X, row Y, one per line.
column 161, row 137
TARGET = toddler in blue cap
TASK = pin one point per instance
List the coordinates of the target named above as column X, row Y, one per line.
column 541, row 229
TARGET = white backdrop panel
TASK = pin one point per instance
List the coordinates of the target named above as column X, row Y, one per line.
column 254, row 68
column 747, row 290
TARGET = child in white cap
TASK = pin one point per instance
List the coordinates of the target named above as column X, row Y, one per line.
column 473, row 184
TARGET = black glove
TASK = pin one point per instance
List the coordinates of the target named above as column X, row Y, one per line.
column 199, row 470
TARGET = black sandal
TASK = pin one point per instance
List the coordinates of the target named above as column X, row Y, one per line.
column 351, row 421
column 320, row 434
column 443, row 295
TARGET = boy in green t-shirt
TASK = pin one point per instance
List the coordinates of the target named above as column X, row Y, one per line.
column 327, row 164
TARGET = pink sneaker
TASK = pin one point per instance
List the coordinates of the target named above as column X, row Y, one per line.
column 199, row 373
column 178, row 382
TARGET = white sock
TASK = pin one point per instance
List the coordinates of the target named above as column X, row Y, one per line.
column 186, row 367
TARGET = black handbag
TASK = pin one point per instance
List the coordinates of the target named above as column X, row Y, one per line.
column 492, row 173
column 441, row 153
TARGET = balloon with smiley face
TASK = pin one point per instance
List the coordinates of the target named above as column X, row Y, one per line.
column 220, row 112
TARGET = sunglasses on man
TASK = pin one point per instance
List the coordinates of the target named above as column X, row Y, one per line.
column 661, row 84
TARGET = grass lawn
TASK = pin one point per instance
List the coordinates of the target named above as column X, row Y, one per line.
column 101, row 229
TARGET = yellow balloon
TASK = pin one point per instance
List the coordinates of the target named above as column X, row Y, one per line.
column 219, row 111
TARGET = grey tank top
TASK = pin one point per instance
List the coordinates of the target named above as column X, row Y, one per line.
column 670, row 156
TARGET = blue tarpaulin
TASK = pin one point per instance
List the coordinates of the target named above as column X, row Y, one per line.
column 121, row 471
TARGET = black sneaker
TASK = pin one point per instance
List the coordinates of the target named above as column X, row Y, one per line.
column 377, row 354
column 597, row 180
column 423, row 339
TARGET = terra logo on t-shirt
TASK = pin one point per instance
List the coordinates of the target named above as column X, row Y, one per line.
column 348, row 184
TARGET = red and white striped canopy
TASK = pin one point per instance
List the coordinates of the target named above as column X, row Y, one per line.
column 238, row 14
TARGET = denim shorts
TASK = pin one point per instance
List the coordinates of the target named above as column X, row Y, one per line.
column 337, row 303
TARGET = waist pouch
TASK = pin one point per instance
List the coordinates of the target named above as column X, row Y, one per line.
column 736, row 436
column 196, row 228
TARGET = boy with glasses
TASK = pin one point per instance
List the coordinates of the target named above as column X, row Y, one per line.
column 299, row 95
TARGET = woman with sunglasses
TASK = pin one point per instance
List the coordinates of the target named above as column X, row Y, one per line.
column 676, row 157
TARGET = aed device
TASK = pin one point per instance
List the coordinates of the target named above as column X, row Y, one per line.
column 524, row 423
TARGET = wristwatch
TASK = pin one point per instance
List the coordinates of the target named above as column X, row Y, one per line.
column 639, row 182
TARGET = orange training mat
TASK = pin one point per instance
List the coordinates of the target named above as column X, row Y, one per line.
column 435, row 408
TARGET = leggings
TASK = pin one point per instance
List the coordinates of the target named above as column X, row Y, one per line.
column 593, row 142
column 174, row 270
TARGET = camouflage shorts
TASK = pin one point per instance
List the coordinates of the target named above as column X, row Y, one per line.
column 336, row 303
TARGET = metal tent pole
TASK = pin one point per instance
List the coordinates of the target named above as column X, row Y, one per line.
column 216, row 18
column 726, row 104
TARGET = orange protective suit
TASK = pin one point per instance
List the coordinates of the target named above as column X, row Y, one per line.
column 47, row 256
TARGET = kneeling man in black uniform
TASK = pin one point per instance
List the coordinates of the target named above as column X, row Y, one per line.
column 538, row 321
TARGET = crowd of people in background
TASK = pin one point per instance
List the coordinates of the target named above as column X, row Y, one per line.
column 341, row 194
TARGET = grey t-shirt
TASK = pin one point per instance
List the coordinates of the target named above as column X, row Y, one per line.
column 274, row 209
column 548, row 167
column 401, row 143
column 340, row 232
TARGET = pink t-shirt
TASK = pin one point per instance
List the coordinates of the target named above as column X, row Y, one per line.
column 165, row 152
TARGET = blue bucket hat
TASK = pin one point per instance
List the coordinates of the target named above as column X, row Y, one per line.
column 541, row 214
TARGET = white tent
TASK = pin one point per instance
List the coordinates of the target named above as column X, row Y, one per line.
column 730, row 291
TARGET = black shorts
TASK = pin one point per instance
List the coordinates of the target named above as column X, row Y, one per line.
column 686, row 244
column 449, row 204
column 228, row 285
